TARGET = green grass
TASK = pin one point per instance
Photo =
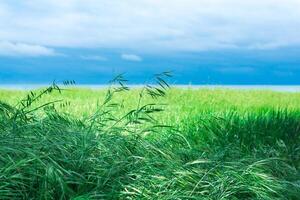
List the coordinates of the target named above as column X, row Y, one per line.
column 206, row 144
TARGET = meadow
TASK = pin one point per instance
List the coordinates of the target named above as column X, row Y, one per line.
column 151, row 143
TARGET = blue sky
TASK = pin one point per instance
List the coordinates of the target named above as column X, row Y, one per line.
column 201, row 41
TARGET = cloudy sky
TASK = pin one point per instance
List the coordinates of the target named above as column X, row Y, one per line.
column 201, row 41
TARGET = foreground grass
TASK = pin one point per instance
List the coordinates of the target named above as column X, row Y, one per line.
column 218, row 144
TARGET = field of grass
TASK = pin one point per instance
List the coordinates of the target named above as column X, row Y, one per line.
column 178, row 144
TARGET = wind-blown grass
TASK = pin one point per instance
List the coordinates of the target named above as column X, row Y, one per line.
column 202, row 147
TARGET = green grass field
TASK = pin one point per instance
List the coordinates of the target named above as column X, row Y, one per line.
column 182, row 144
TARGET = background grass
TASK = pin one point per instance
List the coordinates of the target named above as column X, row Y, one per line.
column 180, row 102
column 206, row 144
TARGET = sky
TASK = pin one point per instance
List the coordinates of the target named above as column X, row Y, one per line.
column 200, row 41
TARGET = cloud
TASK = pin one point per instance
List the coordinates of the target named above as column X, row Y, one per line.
column 22, row 49
column 131, row 57
column 93, row 58
column 153, row 25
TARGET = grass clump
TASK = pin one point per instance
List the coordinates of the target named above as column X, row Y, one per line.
column 126, row 152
